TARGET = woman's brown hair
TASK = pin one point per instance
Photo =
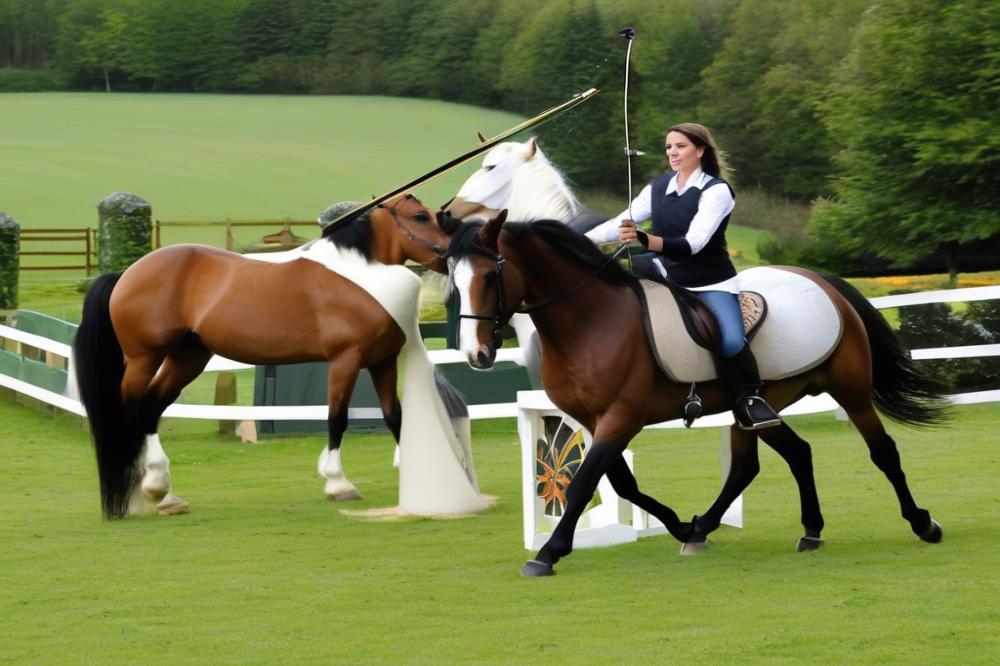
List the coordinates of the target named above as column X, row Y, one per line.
column 713, row 160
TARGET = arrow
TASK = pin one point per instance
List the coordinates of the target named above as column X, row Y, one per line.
column 542, row 117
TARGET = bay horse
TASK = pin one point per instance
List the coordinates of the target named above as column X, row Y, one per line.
column 598, row 368
column 148, row 332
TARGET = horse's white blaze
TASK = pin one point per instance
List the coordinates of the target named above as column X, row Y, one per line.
column 467, row 342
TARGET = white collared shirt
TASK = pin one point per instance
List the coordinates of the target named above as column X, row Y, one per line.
column 713, row 207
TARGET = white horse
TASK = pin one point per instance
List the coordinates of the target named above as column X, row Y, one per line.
column 519, row 177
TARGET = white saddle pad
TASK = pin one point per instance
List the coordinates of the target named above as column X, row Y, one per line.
column 801, row 330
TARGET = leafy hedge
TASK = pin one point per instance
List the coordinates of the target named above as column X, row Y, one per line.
column 936, row 325
column 30, row 80
column 10, row 248
column 124, row 230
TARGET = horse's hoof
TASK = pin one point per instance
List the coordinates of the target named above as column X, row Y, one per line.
column 534, row 569
column 692, row 547
column 345, row 495
column 933, row 533
column 808, row 543
column 172, row 505
column 341, row 490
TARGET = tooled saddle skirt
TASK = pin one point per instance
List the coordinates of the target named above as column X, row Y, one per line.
column 795, row 327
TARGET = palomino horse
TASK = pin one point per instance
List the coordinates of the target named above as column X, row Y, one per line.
column 597, row 367
column 148, row 332
column 519, row 178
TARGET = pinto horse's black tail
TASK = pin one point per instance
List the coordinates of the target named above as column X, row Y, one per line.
column 900, row 391
column 99, row 371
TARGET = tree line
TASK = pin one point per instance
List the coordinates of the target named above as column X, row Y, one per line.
column 882, row 116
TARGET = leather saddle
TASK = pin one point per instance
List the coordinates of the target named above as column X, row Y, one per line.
column 701, row 324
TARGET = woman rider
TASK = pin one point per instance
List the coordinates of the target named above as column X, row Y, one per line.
column 690, row 207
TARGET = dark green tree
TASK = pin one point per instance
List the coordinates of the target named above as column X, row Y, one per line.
column 26, row 32
column 761, row 90
column 914, row 112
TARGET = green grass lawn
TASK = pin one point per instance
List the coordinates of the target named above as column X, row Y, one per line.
column 266, row 570
column 212, row 157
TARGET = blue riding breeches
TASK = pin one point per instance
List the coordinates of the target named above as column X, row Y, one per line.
column 726, row 308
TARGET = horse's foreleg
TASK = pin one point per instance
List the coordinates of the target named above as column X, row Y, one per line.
column 599, row 459
column 344, row 371
column 624, row 484
column 178, row 370
column 882, row 450
column 796, row 452
column 744, row 467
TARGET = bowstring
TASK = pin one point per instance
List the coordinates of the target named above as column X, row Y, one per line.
column 629, row 34
column 570, row 126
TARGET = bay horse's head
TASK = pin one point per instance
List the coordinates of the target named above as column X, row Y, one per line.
column 517, row 177
column 398, row 230
column 490, row 289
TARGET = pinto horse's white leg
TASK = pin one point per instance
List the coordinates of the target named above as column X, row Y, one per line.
column 154, row 491
column 337, row 487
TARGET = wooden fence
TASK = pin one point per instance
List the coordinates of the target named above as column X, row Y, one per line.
column 87, row 250
column 82, row 242
column 283, row 239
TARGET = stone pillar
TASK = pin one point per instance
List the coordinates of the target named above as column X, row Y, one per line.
column 124, row 232
column 10, row 264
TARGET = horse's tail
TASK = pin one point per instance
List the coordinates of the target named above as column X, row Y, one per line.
column 99, row 371
column 453, row 401
column 458, row 414
column 900, row 391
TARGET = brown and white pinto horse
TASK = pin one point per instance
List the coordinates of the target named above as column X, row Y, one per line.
column 148, row 332
column 597, row 367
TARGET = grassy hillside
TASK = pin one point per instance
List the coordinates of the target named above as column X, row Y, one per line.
column 219, row 156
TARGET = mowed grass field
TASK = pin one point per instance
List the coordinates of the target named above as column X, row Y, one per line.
column 213, row 157
column 266, row 570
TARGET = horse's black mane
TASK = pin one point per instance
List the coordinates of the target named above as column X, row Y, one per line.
column 354, row 235
column 575, row 246
column 465, row 240
column 571, row 244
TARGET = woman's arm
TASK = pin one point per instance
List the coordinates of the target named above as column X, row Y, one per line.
column 641, row 209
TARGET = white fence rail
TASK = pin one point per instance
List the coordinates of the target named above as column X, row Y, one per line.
column 68, row 401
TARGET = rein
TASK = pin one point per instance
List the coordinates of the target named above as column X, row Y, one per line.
column 498, row 319
column 529, row 308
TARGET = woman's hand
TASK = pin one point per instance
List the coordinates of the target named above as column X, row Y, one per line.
column 628, row 233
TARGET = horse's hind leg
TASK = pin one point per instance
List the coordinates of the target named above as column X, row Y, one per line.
column 178, row 370
column 884, row 454
column 624, row 484
column 744, row 467
column 384, row 376
column 344, row 371
column 796, row 452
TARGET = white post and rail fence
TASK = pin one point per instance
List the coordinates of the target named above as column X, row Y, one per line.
column 28, row 361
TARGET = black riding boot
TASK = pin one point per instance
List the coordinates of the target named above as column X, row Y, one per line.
column 739, row 374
